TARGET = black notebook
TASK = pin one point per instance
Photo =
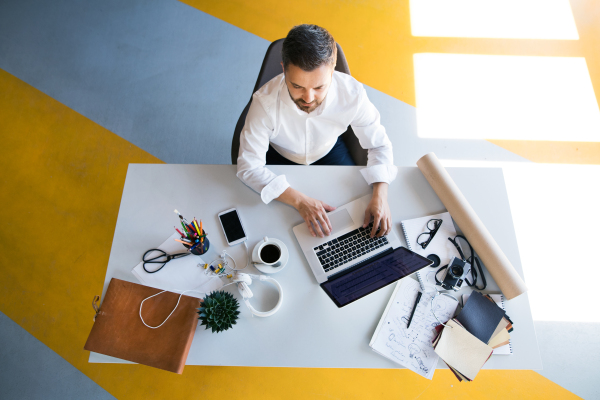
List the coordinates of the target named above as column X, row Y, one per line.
column 480, row 316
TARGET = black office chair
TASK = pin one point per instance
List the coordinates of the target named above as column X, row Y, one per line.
column 271, row 67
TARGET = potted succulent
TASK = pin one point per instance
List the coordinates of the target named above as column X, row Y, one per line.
column 219, row 311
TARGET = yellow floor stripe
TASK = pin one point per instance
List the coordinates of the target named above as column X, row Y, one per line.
column 553, row 152
column 61, row 186
column 379, row 46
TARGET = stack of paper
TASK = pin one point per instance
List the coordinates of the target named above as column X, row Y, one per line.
column 468, row 340
column 499, row 349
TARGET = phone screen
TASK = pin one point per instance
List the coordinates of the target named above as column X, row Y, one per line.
column 232, row 226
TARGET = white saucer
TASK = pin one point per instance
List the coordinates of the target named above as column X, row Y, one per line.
column 267, row 269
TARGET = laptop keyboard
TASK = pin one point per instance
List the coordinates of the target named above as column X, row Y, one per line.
column 345, row 248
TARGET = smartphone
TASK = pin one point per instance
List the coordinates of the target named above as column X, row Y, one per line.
column 232, row 226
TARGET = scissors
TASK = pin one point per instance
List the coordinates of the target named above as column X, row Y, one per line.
column 162, row 258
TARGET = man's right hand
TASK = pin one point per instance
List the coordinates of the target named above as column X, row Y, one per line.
column 313, row 211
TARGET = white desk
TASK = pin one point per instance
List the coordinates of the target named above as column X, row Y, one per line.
column 309, row 330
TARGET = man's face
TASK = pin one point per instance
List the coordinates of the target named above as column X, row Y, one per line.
column 308, row 89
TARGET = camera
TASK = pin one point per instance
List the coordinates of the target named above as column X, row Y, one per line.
column 456, row 274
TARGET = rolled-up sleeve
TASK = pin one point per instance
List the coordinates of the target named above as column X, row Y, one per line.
column 251, row 161
column 372, row 136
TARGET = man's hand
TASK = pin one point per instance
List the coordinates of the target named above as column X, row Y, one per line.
column 313, row 211
column 379, row 209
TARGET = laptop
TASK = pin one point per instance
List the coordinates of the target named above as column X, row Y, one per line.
column 349, row 264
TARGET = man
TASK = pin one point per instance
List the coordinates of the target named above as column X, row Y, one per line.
column 298, row 118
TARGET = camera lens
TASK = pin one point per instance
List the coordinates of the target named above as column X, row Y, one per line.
column 456, row 271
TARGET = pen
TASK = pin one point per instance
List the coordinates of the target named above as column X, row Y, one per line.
column 414, row 309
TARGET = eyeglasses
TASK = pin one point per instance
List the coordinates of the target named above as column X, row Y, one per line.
column 160, row 257
column 433, row 225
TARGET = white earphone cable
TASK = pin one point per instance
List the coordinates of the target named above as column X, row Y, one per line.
column 225, row 254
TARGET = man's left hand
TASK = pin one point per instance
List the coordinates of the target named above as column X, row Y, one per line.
column 379, row 210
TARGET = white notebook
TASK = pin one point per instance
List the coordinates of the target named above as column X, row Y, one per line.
column 499, row 299
column 411, row 347
column 439, row 245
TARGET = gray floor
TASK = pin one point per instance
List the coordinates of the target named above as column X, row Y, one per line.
column 158, row 73
column 31, row 370
column 173, row 81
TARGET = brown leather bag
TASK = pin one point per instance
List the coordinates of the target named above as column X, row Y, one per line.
column 119, row 332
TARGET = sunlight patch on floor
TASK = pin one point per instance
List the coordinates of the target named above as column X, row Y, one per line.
column 463, row 96
column 508, row 19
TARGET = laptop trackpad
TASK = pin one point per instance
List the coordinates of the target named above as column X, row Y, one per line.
column 340, row 220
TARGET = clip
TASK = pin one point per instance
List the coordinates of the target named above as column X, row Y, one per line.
column 96, row 306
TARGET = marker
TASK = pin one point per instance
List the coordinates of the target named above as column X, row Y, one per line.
column 414, row 309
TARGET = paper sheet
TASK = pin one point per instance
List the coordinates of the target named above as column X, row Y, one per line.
column 502, row 337
column 461, row 350
column 411, row 347
column 465, row 217
column 179, row 274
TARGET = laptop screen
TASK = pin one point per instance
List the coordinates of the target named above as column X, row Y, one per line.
column 358, row 283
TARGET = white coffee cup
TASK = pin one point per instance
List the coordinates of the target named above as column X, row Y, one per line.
column 269, row 253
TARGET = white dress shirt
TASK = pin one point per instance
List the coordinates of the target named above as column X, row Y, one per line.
column 304, row 138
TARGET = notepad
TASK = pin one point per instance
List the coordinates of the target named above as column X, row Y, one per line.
column 439, row 245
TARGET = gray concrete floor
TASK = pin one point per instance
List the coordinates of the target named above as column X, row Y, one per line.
column 173, row 81
column 31, row 370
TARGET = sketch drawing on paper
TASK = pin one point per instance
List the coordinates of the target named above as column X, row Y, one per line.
column 411, row 347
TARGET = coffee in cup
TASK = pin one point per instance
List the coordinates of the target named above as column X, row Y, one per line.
column 270, row 253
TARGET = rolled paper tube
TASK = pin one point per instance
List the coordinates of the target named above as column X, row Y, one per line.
column 462, row 213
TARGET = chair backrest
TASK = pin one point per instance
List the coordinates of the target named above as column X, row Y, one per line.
column 271, row 67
